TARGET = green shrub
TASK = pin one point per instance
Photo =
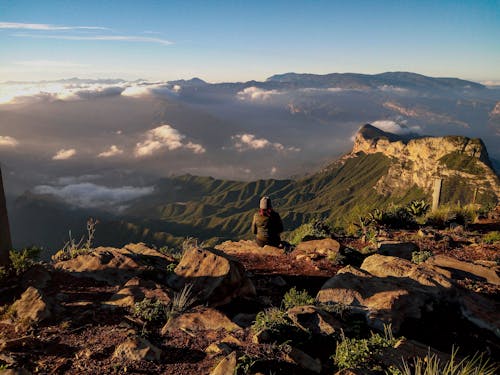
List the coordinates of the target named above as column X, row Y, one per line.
column 149, row 310
column 491, row 237
column 352, row 353
column 431, row 365
column 316, row 229
column 24, row 259
column 418, row 257
column 444, row 216
column 294, row 298
column 272, row 319
column 72, row 249
column 417, row 207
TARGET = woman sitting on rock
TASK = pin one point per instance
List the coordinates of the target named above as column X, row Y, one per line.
column 267, row 225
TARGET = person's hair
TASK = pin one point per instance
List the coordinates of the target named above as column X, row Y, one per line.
column 265, row 211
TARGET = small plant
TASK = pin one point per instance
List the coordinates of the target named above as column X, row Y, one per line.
column 149, row 310
column 24, row 259
column 418, row 257
column 431, row 365
column 360, row 353
column 316, row 229
column 171, row 267
column 175, row 253
column 339, row 309
column 272, row 319
column 294, row 298
column 245, row 364
column 180, row 302
column 72, row 249
column 417, row 208
column 491, row 237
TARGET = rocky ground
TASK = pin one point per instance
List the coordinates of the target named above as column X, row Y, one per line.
column 84, row 314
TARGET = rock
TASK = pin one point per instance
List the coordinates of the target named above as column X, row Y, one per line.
column 304, row 360
column 460, row 269
column 17, row 371
column 262, row 337
column 244, row 320
column 37, row 276
column 481, row 311
column 387, row 266
column 215, row 278
column 116, row 266
column 248, row 247
column 278, row 281
column 317, row 249
column 31, row 308
column 201, row 319
column 409, row 349
column 314, row 320
column 137, row 349
column 135, row 290
column 397, row 249
column 226, row 366
column 17, row 343
column 397, row 291
column 225, row 346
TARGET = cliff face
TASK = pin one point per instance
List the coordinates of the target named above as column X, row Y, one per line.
column 418, row 161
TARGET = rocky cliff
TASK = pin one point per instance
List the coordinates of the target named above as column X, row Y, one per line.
column 418, row 161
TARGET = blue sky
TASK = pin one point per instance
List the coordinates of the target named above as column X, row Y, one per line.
column 243, row 40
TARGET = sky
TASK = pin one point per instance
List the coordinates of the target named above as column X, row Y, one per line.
column 244, row 40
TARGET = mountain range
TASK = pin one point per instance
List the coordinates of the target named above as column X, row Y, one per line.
column 382, row 168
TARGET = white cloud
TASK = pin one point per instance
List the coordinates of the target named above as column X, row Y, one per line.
column 87, row 194
column 245, row 142
column 111, row 38
column 273, row 171
column 164, row 137
column 393, row 89
column 7, row 141
column 64, row 154
column 70, row 180
column 256, row 94
column 395, row 127
column 45, row 27
column 112, row 151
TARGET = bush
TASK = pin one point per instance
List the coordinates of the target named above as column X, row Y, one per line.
column 272, row 319
column 491, row 237
column 294, row 298
column 24, row 259
column 316, row 229
column 149, row 310
column 418, row 257
column 431, row 365
column 361, row 353
column 444, row 216
column 417, row 208
column 72, row 249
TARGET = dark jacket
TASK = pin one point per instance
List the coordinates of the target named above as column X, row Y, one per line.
column 267, row 228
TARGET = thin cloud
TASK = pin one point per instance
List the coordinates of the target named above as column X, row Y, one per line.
column 245, row 142
column 111, row 38
column 165, row 137
column 45, row 26
column 64, row 154
column 112, row 151
column 395, row 127
column 50, row 63
column 87, row 194
column 256, row 94
column 6, row 141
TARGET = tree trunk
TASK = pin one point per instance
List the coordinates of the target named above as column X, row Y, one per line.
column 5, row 240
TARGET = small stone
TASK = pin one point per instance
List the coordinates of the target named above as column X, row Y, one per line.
column 137, row 349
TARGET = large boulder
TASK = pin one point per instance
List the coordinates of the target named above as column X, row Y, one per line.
column 226, row 366
column 317, row 249
column 397, row 249
column 387, row 290
column 31, row 308
column 248, row 247
column 135, row 290
column 116, row 266
column 215, row 277
column 200, row 319
column 460, row 269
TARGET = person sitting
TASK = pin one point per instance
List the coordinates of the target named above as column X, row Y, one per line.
column 267, row 224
